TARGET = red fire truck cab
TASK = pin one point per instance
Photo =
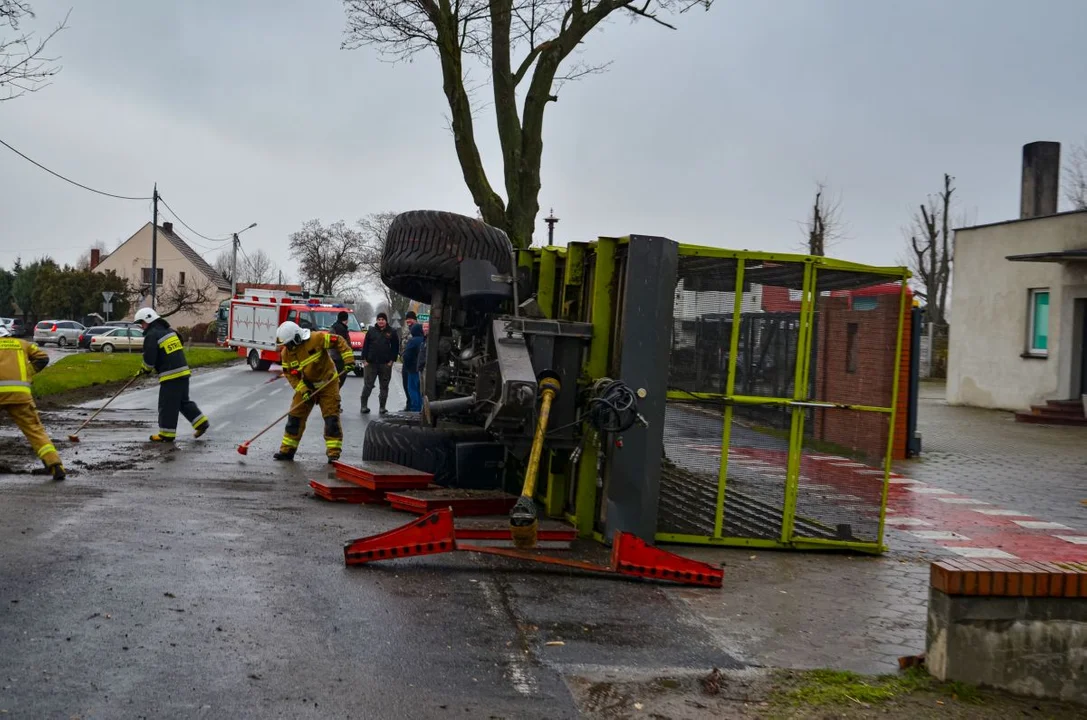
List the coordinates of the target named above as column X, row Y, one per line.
column 251, row 318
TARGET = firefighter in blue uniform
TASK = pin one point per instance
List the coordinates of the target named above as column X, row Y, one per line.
column 164, row 354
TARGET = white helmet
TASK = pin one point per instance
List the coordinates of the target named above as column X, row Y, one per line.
column 4, row 332
column 290, row 333
column 146, row 315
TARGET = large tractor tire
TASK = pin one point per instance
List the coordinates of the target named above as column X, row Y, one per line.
column 405, row 441
column 424, row 249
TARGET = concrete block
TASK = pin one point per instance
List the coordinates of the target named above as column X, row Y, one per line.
column 1028, row 646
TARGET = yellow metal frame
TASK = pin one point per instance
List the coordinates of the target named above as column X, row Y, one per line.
column 577, row 282
column 797, row 404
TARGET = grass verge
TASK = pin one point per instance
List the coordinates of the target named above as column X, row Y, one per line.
column 84, row 370
column 827, row 688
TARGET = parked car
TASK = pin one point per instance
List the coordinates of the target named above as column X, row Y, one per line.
column 86, row 335
column 125, row 339
column 15, row 326
column 120, row 323
column 61, row 332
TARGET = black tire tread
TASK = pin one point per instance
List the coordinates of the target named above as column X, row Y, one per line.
column 405, row 441
column 425, row 247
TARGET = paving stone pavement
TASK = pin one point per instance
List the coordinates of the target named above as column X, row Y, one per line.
column 809, row 610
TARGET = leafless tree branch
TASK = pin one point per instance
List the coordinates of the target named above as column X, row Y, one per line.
column 931, row 251
column 328, row 257
column 1075, row 178
column 824, row 226
column 24, row 66
column 194, row 295
column 524, row 44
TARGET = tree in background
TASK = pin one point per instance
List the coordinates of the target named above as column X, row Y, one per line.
column 824, row 225
column 1075, row 178
column 542, row 33
column 7, row 279
column 24, row 67
column 73, row 293
column 931, row 251
column 375, row 228
column 22, row 290
column 328, row 257
column 364, row 311
column 196, row 295
column 258, row 268
column 222, row 265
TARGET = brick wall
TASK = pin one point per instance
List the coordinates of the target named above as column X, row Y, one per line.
column 854, row 359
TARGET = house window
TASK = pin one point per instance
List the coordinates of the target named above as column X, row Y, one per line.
column 145, row 276
column 851, row 348
column 1038, row 322
column 181, row 278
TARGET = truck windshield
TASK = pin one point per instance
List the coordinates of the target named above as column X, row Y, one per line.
column 324, row 320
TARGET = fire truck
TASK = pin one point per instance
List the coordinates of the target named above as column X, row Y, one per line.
column 248, row 323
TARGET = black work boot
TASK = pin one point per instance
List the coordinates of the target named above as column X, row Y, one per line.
column 383, row 411
column 58, row 472
column 333, row 459
column 289, row 456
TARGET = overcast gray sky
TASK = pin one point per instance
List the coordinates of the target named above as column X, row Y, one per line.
column 247, row 111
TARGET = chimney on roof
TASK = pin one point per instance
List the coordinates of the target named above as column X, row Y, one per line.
column 96, row 257
column 168, row 227
column 1041, row 178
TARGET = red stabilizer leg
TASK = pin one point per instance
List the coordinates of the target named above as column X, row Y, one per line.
column 630, row 555
column 429, row 535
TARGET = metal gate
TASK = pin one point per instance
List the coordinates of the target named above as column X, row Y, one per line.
column 783, row 388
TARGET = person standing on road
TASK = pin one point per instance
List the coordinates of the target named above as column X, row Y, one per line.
column 410, row 320
column 310, row 359
column 19, row 360
column 164, row 354
column 379, row 352
column 411, row 368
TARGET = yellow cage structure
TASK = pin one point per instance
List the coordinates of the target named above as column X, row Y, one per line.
column 777, row 400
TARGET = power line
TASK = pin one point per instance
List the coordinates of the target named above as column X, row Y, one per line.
column 67, row 180
column 178, row 218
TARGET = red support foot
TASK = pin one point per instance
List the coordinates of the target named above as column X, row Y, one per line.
column 429, row 535
column 630, row 555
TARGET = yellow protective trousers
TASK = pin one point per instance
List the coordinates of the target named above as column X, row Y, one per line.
column 329, row 401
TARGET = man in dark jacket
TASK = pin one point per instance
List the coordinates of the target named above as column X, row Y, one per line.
column 340, row 327
column 379, row 352
column 411, row 368
column 164, row 354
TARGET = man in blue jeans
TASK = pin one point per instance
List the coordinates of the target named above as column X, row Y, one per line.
column 411, row 368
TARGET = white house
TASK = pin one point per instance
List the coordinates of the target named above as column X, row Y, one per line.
column 1019, row 302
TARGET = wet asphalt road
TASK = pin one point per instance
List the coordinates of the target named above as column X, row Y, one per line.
column 195, row 582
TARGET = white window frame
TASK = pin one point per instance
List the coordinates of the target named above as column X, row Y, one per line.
column 1031, row 295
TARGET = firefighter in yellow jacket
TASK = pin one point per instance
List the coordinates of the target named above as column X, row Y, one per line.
column 19, row 360
column 310, row 359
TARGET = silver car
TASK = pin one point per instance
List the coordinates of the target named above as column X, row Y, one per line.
column 61, row 332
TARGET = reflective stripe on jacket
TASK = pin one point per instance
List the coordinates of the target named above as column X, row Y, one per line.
column 163, row 352
column 19, row 360
column 313, row 360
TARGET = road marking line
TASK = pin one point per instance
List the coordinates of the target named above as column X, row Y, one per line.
column 223, row 425
column 962, row 501
column 1074, row 539
column 517, row 663
column 1040, row 525
column 1003, row 512
column 279, row 389
column 929, row 491
column 905, row 481
column 908, row 521
column 848, row 464
column 871, row 472
column 252, row 405
column 827, row 457
column 972, row 552
column 938, row 535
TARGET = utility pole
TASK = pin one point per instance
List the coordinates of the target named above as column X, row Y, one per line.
column 154, row 243
column 234, row 267
column 234, row 260
column 551, row 220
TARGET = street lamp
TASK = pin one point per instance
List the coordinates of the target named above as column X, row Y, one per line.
column 234, row 261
